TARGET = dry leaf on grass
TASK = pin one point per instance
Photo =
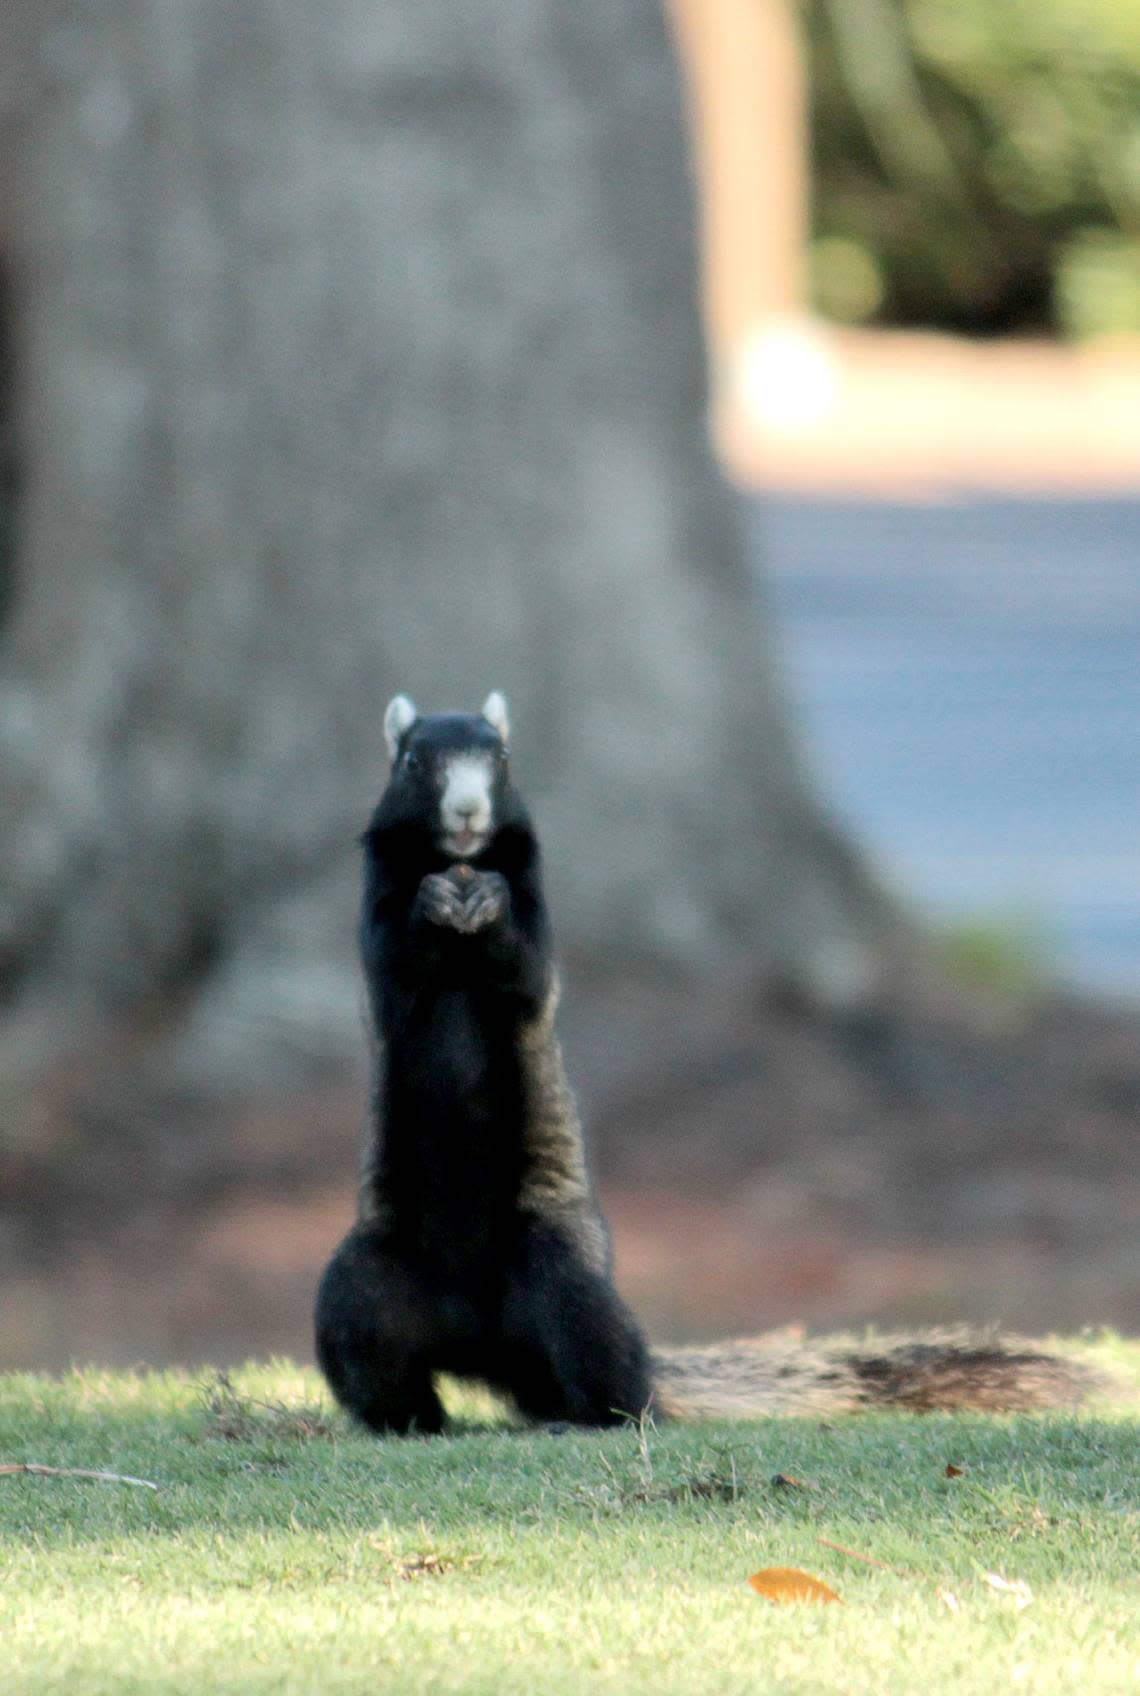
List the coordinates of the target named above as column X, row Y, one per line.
column 953, row 1471
column 1016, row 1589
column 422, row 1566
column 789, row 1584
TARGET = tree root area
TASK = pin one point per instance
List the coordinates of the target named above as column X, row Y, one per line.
column 762, row 1164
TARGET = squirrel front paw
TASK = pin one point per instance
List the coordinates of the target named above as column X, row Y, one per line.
column 487, row 898
column 463, row 899
column 440, row 901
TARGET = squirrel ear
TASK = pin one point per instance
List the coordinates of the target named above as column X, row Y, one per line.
column 398, row 716
column 494, row 710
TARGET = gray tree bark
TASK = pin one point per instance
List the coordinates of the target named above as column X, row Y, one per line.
column 357, row 350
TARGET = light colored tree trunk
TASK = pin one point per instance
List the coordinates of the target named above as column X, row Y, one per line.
column 358, row 351
column 748, row 95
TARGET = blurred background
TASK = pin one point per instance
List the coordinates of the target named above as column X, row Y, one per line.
column 752, row 391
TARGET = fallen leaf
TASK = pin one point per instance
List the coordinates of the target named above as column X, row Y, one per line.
column 789, row 1481
column 1015, row 1588
column 418, row 1566
column 789, row 1584
column 953, row 1471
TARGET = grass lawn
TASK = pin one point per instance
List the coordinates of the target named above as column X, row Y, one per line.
column 285, row 1552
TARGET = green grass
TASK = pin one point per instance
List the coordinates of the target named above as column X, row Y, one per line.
column 285, row 1552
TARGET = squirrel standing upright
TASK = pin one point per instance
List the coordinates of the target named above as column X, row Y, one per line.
column 479, row 1249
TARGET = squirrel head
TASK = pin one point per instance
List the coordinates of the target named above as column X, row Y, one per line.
column 449, row 771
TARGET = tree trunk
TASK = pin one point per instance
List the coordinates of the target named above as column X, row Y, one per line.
column 357, row 350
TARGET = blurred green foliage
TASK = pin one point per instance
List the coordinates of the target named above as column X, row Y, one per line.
column 1009, row 955
column 977, row 162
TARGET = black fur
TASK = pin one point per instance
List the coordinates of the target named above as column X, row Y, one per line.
column 447, row 1268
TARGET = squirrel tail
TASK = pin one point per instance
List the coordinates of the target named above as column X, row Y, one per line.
column 937, row 1370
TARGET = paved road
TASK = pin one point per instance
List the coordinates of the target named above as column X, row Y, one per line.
column 969, row 679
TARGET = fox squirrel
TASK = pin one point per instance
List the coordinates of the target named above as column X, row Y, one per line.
column 479, row 1248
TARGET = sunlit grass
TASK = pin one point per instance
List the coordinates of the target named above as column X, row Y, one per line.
column 299, row 1556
